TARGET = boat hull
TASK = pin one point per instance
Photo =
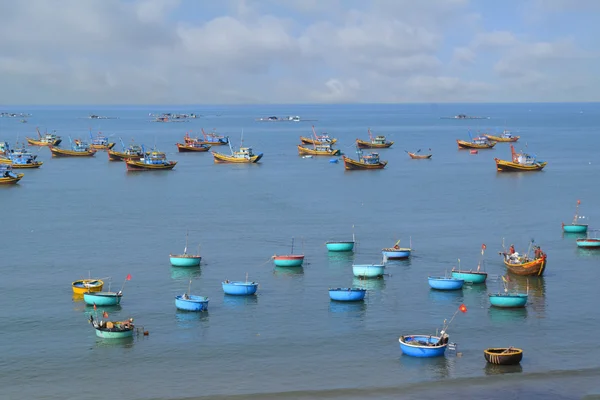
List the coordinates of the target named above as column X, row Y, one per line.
column 35, row 142
column 107, row 334
column 472, row 277
column 102, row 146
column 184, row 261
column 223, row 158
column 503, row 355
column 137, row 165
column 347, row 294
column 441, row 283
column 83, row 286
column 396, row 254
column 419, row 156
column 369, row 145
column 120, row 156
column 368, row 270
column 469, row 145
column 588, row 243
column 182, row 148
column 34, row 164
column 502, row 139
column 508, row 300
column 351, row 164
column 535, row 267
column 194, row 303
column 58, row 152
column 410, row 347
column 508, row 166
column 306, row 140
column 9, row 180
column 102, row 298
column 340, row 246
column 291, row 260
column 575, row 228
column 305, row 150
column 239, row 288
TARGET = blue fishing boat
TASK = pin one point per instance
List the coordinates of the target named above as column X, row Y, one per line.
column 347, row 294
column 185, row 259
column 368, row 270
column 289, row 260
column 100, row 142
column 19, row 157
column 113, row 329
column 189, row 302
column 470, row 276
column 239, row 288
column 445, row 283
column 396, row 252
column 575, row 226
column 102, row 299
column 592, row 241
column 508, row 300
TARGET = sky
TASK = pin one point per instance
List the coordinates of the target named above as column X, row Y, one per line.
column 298, row 51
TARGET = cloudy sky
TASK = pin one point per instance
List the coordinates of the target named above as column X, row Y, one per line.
column 298, row 51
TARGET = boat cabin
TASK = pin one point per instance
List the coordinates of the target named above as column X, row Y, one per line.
column 6, row 171
column 325, row 147
column 379, row 139
column 80, row 146
column 156, row 158
column 245, row 152
column 481, row 140
column 134, row 149
column 507, row 135
column 100, row 140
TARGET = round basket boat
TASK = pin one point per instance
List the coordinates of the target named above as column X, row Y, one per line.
column 503, row 355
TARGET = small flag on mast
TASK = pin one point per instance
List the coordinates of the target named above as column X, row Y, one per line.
column 463, row 308
column 105, row 314
column 128, row 277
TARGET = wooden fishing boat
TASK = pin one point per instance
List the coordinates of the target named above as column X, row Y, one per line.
column 347, row 294
column 7, row 177
column 100, row 142
column 505, row 136
column 445, row 283
column 211, row 139
column 479, row 142
column 592, row 241
column 190, row 147
column 520, row 162
column 19, row 158
column 132, row 152
column 396, row 252
column 102, row 299
column 185, row 259
column 318, row 150
column 317, row 139
column 82, row 286
column 524, row 264
column 152, row 161
column 239, row 288
column 377, row 142
column 78, row 149
column 289, row 260
column 416, row 156
column 575, row 226
column 503, row 355
column 49, row 139
column 369, row 161
column 469, row 276
column 189, row 302
column 113, row 329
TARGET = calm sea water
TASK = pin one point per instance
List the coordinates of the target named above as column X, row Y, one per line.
column 78, row 217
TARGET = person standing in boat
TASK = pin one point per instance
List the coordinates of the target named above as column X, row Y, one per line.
column 511, row 250
column 538, row 252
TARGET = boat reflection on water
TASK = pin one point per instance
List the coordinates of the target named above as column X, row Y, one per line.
column 503, row 315
column 404, row 262
column 126, row 342
column 185, row 273
column 493, row 369
column 357, row 308
column 434, row 367
column 340, row 259
column 239, row 301
column 369, row 284
column 446, row 296
column 475, row 294
column 573, row 235
column 537, row 291
column 186, row 319
column 288, row 271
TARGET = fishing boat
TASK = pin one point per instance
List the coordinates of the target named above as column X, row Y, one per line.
column 49, row 139
column 575, row 227
column 445, row 283
column 103, row 299
column 239, row 288
column 592, row 241
column 318, row 139
column 524, row 264
column 503, row 355
column 336, row 245
column 289, row 260
column 211, row 139
column 426, row 346
column 190, row 147
column 132, row 152
column 82, row 286
column 347, row 294
column 100, row 142
column 520, row 162
column 7, row 177
column 505, row 136
column 244, row 155
column 396, row 252
column 469, row 276
column 479, row 142
column 377, row 142
column 113, row 329
column 152, row 161
column 18, row 158
column 365, row 271
column 417, row 156
column 369, row 161
column 318, row 150
column 185, row 259
column 78, row 149
column 189, row 302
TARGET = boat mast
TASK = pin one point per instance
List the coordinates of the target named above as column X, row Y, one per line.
column 316, row 138
column 576, row 212
column 370, row 136
column 292, row 245
column 186, row 242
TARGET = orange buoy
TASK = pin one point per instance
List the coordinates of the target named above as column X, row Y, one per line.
column 473, row 151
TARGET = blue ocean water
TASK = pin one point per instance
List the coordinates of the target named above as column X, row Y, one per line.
column 74, row 218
